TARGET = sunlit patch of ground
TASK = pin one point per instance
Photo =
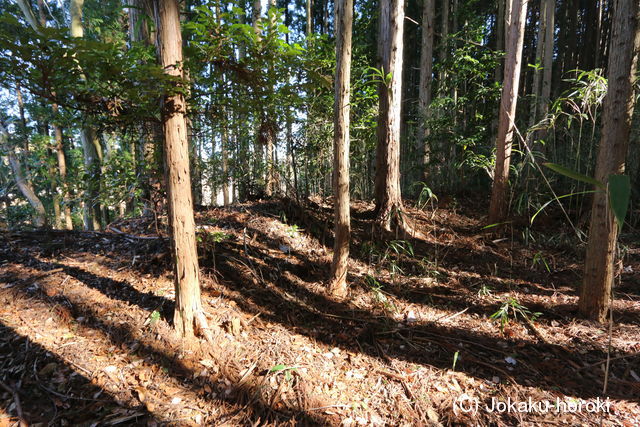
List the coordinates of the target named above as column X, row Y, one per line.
column 86, row 333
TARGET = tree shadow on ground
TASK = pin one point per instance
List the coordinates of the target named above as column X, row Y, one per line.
column 247, row 397
column 58, row 394
column 381, row 336
column 315, row 315
column 462, row 296
column 428, row 256
column 115, row 289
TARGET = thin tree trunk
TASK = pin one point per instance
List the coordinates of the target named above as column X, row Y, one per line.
column 55, row 195
column 188, row 315
column 224, row 142
column 24, row 133
column 24, row 185
column 444, row 46
column 426, row 79
column 547, row 57
column 54, row 184
column 90, row 143
column 536, row 90
column 92, row 160
column 269, row 134
column 147, row 153
column 309, row 17
column 598, row 52
column 500, row 38
column 618, row 106
column 508, row 103
column 255, row 16
column 344, row 21
column 62, row 170
column 30, row 17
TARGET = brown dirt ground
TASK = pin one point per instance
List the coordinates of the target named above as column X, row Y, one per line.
column 86, row 337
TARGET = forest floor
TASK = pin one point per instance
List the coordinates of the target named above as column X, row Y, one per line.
column 85, row 335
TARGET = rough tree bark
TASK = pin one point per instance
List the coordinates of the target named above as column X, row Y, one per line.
column 344, row 21
column 189, row 315
column 508, row 103
column 426, row 79
column 24, row 185
column 618, row 106
column 389, row 207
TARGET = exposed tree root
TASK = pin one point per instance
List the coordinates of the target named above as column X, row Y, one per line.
column 393, row 219
column 338, row 286
column 202, row 328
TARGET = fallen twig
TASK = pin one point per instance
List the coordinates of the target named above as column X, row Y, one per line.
column 16, row 400
column 625, row 356
column 132, row 236
column 452, row 316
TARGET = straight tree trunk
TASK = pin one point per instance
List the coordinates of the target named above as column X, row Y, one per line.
column 188, row 314
column 341, row 142
column 57, row 147
column 595, row 295
column 269, row 136
column 426, row 79
column 500, row 38
column 389, row 207
column 92, row 160
column 444, row 45
column 506, row 118
column 147, row 151
column 309, row 17
column 90, row 142
column 547, row 56
column 62, row 170
column 224, row 142
column 536, row 90
column 24, row 185
column 598, row 36
column 54, row 184
column 256, row 11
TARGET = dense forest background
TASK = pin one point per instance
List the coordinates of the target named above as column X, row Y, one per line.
column 260, row 104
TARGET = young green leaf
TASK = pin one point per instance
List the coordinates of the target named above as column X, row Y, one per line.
column 574, row 175
column 558, row 198
column 619, row 194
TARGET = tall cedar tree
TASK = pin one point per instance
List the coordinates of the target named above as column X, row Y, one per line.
column 389, row 207
column 595, row 295
column 344, row 18
column 426, row 78
column 506, row 117
column 188, row 315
